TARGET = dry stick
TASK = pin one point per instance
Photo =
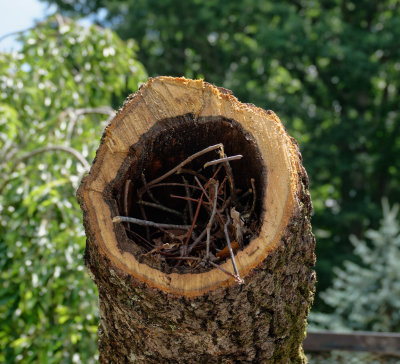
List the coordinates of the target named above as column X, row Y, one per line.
column 208, row 183
column 221, row 160
column 143, row 212
column 148, row 190
column 140, row 237
column 222, row 184
column 229, row 173
column 228, row 240
column 238, row 225
column 206, row 194
column 220, row 188
column 172, row 184
column 192, row 172
column 237, row 278
column 198, row 240
column 167, row 254
column 171, row 235
column 74, row 115
column 186, row 161
column 224, row 195
column 199, row 204
column 157, row 249
column 133, row 220
column 160, row 207
column 173, row 170
column 245, row 194
column 49, row 148
column 210, row 222
column 225, row 204
column 187, row 198
column 189, row 203
column 126, row 192
column 184, row 258
column 196, row 214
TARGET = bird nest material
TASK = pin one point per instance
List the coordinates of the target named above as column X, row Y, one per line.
column 216, row 220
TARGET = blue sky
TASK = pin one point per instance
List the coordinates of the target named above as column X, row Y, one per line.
column 18, row 15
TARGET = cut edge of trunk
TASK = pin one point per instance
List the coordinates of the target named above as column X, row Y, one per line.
column 165, row 98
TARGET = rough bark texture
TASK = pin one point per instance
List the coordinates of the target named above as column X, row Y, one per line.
column 261, row 321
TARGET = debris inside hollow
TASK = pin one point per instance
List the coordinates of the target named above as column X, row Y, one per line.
column 215, row 220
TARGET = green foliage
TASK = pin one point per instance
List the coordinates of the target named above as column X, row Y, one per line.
column 57, row 90
column 329, row 69
column 365, row 296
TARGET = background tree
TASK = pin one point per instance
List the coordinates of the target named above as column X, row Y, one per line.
column 364, row 295
column 56, row 93
column 329, row 69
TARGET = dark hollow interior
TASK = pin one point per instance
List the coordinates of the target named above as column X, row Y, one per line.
column 164, row 146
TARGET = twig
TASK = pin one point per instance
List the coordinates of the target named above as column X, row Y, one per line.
column 209, row 230
column 199, row 204
column 210, row 222
column 222, row 160
column 222, row 185
column 75, row 114
column 160, row 207
column 194, row 244
column 171, row 235
column 183, row 258
column 173, row 184
column 238, row 225
column 237, row 278
column 148, row 190
column 225, row 204
column 245, row 194
column 186, row 161
column 193, row 173
column 133, row 220
column 229, row 173
column 194, row 221
column 140, row 237
column 50, row 148
column 126, row 193
column 189, row 202
column 157, row 249
column 143, row 212
column 228, row 240
column 206, row 194
column 186, row 198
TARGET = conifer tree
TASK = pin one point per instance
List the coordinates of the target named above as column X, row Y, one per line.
column 365, row 295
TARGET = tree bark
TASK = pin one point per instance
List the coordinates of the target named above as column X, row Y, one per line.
column 155, row 314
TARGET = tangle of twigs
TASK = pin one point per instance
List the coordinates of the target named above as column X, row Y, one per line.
column 206, row 218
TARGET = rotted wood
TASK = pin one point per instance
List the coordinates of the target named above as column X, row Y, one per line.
column 232, row 284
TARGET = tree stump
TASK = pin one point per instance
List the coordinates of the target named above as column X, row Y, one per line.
column 157, row 307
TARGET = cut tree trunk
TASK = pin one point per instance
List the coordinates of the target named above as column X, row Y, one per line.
column 159, row 308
